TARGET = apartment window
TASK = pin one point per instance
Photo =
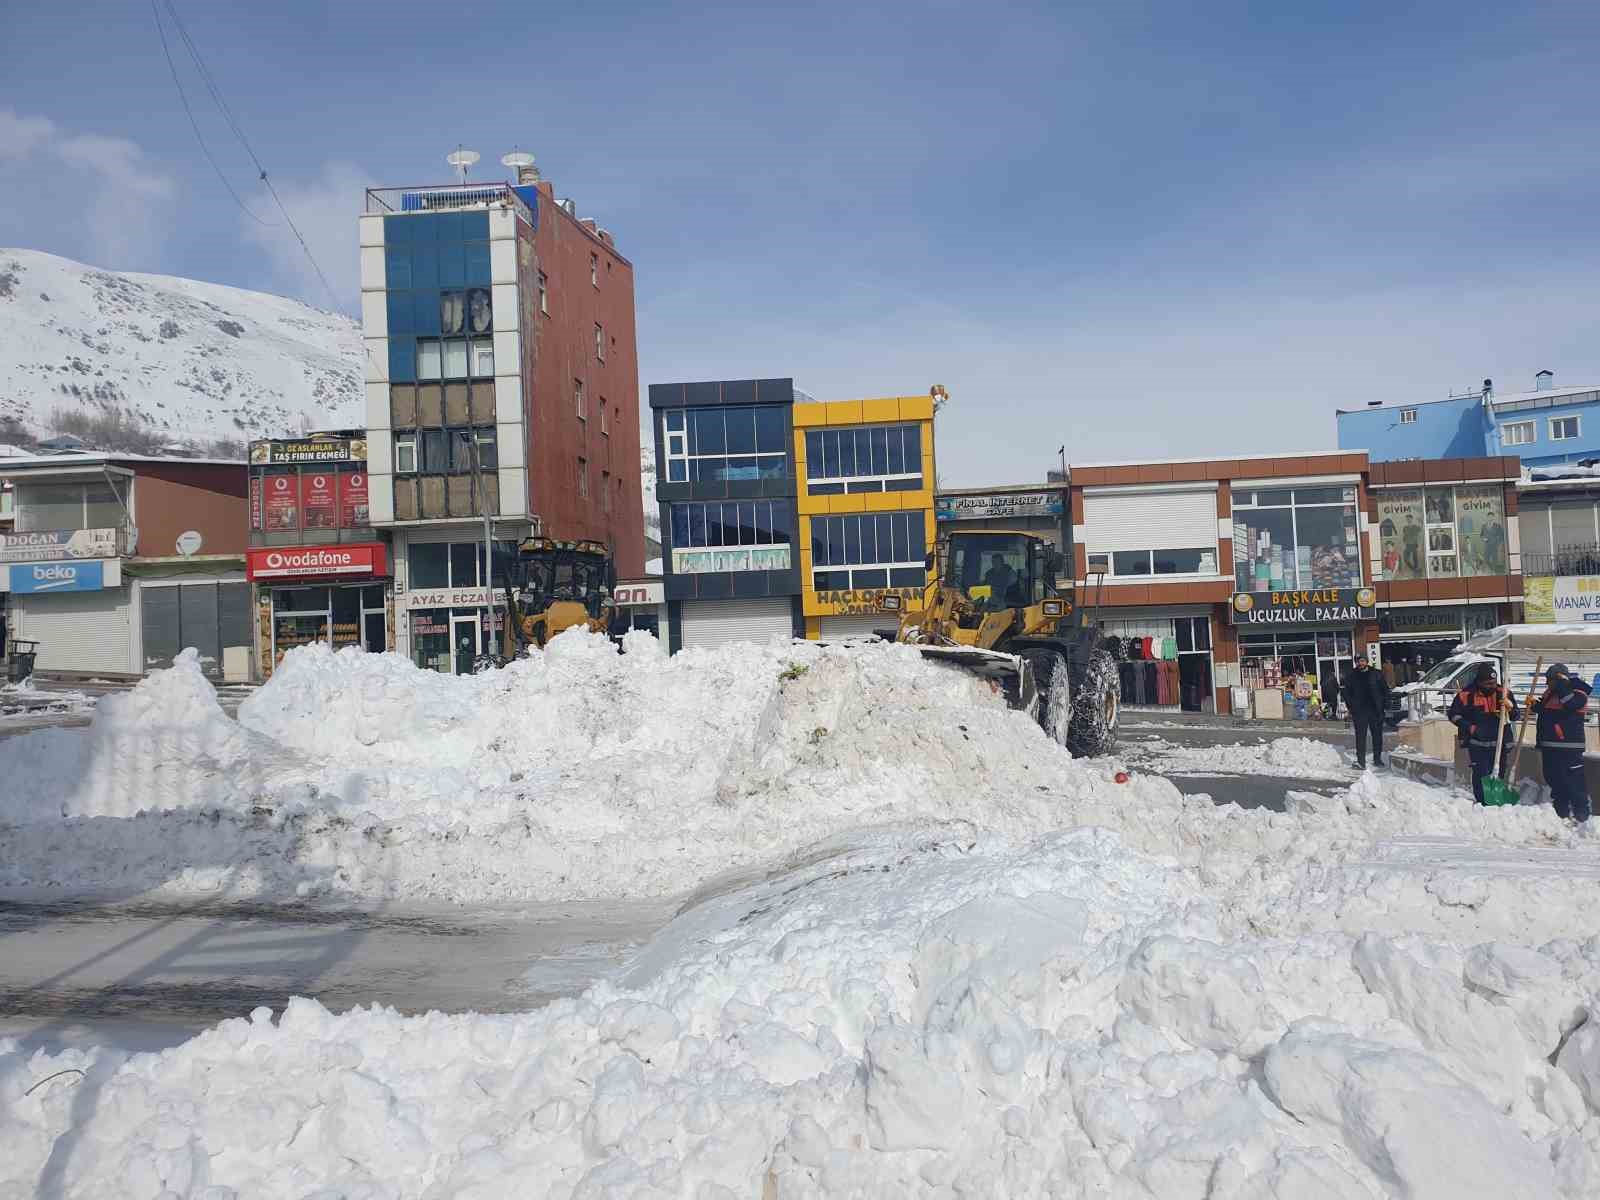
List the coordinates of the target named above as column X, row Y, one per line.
column 600, row 343
column 747, row 535
column 1195, row 561
column 583, row 478
column 1408, row 416
column 869, row 550
column 459, row 450
column 594, row 269
column 605, row 420
column 454, row 358
column 1563, row 429
column 884, row 458
column 1518, row 433
column 50, row 506
column 577, row 400
column 605, row 491
column 544, row 293
column 718, row 444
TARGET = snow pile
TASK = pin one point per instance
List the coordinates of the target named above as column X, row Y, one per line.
column 165, row 744
column 1289, row 757
column 578, row 772
column 918, row 1016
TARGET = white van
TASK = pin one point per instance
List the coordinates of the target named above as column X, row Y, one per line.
column 1514, row 650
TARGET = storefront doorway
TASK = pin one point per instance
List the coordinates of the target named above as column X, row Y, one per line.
column 1163, row 661
column 464, row 642
column 342, row 615
column 1270, row 660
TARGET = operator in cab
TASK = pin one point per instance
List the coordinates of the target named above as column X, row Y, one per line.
column 1476, row 714
column 1000, row 579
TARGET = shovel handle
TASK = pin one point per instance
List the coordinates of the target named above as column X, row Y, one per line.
column 1527, row 711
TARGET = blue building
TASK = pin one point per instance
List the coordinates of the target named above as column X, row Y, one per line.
column 725, row 480
column 1546, row 426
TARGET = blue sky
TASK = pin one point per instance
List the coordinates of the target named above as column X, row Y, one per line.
column 1142, row 229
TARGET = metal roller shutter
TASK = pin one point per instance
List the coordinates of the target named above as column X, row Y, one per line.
column 855, row 625
column 79, row 631
column 1184, row 520
column 719, row 622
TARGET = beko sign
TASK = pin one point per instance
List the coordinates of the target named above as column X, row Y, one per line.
column 299, row 562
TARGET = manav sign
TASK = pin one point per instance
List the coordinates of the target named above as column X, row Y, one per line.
column 1323, row 606
column 1562, row 599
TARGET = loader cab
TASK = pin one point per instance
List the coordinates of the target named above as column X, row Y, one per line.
column 998, row 570
column 553, row 571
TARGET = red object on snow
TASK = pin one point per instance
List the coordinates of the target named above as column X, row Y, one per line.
column 1121, row 777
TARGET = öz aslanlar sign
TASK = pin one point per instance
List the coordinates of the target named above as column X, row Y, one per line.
column 1327, row 606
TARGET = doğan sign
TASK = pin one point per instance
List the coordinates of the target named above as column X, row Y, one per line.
column 1326, row 606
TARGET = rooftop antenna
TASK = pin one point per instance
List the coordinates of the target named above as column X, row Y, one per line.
column 520, row 164
column 461, row 158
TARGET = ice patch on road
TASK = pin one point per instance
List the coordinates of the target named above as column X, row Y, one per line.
column 1287, row 757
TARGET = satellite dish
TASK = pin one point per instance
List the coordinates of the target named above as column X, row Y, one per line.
column 461, row 158
column 520, row 164
column 189, row 542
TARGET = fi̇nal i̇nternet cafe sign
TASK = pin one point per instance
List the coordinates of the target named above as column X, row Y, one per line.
column 1325, row 606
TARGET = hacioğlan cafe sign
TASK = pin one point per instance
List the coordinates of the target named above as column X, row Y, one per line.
column 1327, row 606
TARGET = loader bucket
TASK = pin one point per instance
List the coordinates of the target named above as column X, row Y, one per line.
column 1008, row 672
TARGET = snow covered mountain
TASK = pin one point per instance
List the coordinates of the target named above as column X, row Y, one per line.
column 198, row 361
column 647, row 482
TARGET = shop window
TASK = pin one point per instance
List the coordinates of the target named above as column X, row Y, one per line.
column 868, row 550
column 749, row 535
column 430, row 565
column 1296, row 538
column 1442, row 532
column 45, row 506
column 1519, row 433
column 464, row 560
column 728, row 443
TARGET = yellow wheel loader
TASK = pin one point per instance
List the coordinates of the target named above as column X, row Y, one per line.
column 992, row 608
column 550, row 586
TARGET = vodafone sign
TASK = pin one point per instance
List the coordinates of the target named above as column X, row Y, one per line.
column 303, row 562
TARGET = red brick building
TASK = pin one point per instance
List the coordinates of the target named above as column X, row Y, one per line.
column 502, row 382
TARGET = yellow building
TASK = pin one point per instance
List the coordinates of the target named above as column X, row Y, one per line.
column 864, row 488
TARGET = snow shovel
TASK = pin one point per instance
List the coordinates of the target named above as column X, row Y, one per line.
column 1497, row 793
column 1509, row 789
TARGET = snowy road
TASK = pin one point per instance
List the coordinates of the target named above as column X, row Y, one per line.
column 152, row 976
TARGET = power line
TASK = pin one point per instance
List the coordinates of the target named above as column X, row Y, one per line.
column 195, row 125
column 216, row 95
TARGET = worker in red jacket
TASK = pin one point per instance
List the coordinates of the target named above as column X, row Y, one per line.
column 1475, row 712
column 1561, row 742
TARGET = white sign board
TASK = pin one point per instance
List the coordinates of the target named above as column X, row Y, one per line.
column 56, row 545
column 648, row 594
column 449, row 598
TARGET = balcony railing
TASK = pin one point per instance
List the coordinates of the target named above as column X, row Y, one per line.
column 1567, row 560
column 446, row 198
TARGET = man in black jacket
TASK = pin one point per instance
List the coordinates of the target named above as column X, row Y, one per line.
column 1366, row 696
column 1561, row 742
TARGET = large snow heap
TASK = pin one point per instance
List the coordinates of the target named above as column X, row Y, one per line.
column 993, row 972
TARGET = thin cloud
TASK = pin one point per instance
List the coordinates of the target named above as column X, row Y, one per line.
column 124, row 203
column 324, row 209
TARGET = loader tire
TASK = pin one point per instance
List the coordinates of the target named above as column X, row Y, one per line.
column 1092, row 730
column 1052, row 683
